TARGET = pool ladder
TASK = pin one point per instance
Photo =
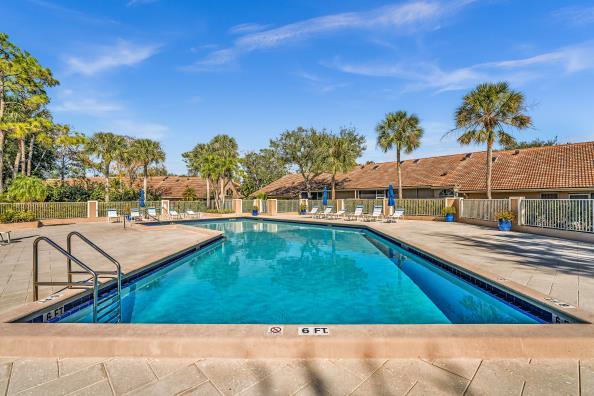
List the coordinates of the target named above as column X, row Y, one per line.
column 107, row 307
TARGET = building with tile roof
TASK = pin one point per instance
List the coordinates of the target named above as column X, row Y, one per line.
column 562, row 171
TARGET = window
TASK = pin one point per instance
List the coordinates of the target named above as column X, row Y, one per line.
column 372, row 194
column 579, row 196
column 549, row 196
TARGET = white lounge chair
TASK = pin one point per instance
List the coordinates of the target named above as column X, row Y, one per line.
column 376, row 214
column 313, row 211
column 357, row 214
column 5, row 241
column 135, row 214
column 152, row 213
column 112, row 214
column 191, row 213
column 326, row 213
column 338, row 215
column 173, row 214
column 396, row 216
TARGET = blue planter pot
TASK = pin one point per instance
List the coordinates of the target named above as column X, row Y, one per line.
column 254, row 213
column 302, row 212
column 504, row 225
column 449, row 217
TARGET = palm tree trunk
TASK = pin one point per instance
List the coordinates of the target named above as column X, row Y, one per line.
column 207, row 193
column 106, row 184
column 145, row 183
column 17, row 161
column 489, row 167
column 2, row 134
column 399, row 173
column 30, row 156
column 23, row 156
column 333, row 186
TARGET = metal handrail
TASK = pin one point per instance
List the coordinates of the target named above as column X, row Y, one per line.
column 118, row 272
column 70, row 257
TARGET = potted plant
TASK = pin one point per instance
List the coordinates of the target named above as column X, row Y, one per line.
column 504, row 220
column 255, row 210
column 302, row 209
column 448, row 213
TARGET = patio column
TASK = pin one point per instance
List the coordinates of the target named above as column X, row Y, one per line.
column 165, row 206
column 340, row 204
column 237, row 206
column 92, row 209
column 456, row 203
column 386, row 207
column 272, row 207
column 515, row 206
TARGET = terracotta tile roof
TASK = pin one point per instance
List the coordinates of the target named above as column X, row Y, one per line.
column 567, row 166
column 171, row 187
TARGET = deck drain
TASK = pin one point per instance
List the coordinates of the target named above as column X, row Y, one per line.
column 559, row 303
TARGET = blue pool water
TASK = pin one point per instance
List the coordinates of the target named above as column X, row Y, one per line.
column 273, row 272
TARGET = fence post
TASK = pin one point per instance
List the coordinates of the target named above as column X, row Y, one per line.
column 515, row 206
column 339, row 204
column 92, row 209
column 271, row 206
column 237, row 206
column 165, row 206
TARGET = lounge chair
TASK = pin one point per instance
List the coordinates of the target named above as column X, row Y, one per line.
column 376, row 214
column 396, row 216
column 2, row 239
column 135, row 214
column 173, row 214
column 112, row 214
column 313, row 211
column 191, row 213
column 152, row 213
column 338, row 215
column 357, row 214
column 326, row 213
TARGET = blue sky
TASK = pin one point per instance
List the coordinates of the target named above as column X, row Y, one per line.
column 183, row 71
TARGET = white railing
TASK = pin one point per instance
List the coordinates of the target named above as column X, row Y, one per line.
column 483, row 209
column 421, row 207
column 560, row 214
column 287, row 205
column 48, row 210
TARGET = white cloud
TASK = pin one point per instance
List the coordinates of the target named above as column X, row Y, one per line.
column 122, row 53
column 421, row 75
column 89, row 103
column 320, row 84
column 244, row 28
column 132, row 3
column 407, row 16
column 576, row 15
column 139, row 129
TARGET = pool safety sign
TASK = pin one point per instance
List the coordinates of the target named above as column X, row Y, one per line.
column 275, row 330
column 314, row 330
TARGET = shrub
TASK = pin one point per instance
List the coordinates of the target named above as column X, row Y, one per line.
column 255, row 207
column 17, row 216
column 505, row 215
column 27, row 189
column 302, row 207
column 189, row 194
column 219, row 211
column 448, row 210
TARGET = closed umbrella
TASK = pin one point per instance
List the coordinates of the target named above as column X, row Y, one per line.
column 391, row 202
column 325, row 197
column 141, row 200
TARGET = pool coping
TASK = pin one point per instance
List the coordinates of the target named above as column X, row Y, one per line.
column 345, row 341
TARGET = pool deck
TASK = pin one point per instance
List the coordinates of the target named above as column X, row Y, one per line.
column 455, row 359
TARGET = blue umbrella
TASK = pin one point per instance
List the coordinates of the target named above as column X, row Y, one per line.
column 325, row 197
column 141, row 200
column 391, row 196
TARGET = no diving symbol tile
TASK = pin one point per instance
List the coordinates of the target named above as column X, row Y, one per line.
column 275, row 330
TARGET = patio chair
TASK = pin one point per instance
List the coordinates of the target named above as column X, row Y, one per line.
column 112, row 215
column 6, row 234
column 376, row 214
column 174, row 215
column 338, row 215
column 396, row 216
column 152, row 213
column 327, row 212
column 191, row 213
column 135, row 214
column 357, row 214
column 313, row 211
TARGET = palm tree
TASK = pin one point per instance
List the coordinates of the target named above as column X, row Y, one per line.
column 399, row 131
column 106, row 147
column 485, row 113
column 343, row 151
column 147, row 152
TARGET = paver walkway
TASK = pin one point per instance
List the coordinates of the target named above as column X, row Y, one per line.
column 120, row 376
column 130, row 246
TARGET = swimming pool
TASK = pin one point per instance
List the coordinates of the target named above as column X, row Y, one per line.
column 286, row 273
